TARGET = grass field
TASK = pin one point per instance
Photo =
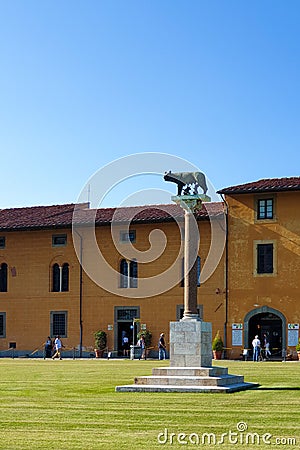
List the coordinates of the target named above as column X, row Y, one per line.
column 73, row 405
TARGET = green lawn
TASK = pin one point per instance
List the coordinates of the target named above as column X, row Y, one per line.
column 73, row 405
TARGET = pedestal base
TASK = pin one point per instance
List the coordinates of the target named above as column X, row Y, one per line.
column 190, row 344
column 189, row 379
column 191, row 365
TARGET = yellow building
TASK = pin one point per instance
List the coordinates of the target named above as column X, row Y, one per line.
column 44, row 290
column 54, row 280
column 263, row 270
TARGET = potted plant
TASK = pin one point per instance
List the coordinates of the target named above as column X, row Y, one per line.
column 217, row 346
column 100, row 343
column 298, row 349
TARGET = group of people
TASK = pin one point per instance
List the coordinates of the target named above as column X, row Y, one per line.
column 257, row 349
column 162, row 348
column 53, row 348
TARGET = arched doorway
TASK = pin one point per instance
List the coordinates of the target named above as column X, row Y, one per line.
column 267, row 321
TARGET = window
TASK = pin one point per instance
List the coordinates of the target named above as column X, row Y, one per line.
column 58, row 323
column 127, row 236
column 265, row 208
column 128, row 314
column 59, row 240
column 2, row 241
column 60, row 278
column 128, row 280
column 55, row 278
column 124, row 274
column 198, row 271
column 133, row 272
column 65, row 278
column 2, row 325
column 265, row 258
column 3, row 277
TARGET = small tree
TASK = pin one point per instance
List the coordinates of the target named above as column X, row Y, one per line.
column 217, row 343
column 298, row 346
column 100, row 340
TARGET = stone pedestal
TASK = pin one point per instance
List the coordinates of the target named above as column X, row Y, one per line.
column 189, row 379
column 190, row 344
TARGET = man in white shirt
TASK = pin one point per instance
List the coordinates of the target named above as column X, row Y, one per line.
column 58, row 345
column 256, row 348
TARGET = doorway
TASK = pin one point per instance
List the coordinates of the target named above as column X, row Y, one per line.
column 269, row 322
column 125, row 326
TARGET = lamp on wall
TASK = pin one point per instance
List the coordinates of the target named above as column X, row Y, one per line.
column 219, row 291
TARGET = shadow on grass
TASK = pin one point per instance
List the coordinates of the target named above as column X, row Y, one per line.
column 279, row 388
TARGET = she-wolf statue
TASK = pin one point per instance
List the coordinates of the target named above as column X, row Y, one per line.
column 187, row 179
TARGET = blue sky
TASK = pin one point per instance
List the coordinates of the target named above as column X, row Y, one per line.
column 83, row 83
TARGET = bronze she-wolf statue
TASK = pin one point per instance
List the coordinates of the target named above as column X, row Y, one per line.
column 187, row 179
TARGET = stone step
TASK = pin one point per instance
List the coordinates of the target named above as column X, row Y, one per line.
column 190, row 371
column 189, row 380
column 191, row 389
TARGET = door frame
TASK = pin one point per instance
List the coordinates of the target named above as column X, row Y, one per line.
column 117, row 321
column 262, row 310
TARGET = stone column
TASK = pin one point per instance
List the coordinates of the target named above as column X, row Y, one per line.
column 191, row 204
column 190, row 338
column 191, row 246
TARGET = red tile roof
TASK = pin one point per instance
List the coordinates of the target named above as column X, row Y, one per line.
column 61, row 216
column 36, row 217
column 265, row 185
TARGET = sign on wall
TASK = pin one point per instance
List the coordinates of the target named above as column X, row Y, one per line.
column 293, row 334
column 237, row 334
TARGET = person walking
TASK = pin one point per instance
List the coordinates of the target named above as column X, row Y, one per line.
column 267, row 346
column 48, row 348
column 162, row 347
column 125, row 345
column 57, row 346
column 142, row 345
column 256, row 348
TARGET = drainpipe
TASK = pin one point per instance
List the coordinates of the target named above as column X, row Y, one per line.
column 226, row 271
column 80, row 292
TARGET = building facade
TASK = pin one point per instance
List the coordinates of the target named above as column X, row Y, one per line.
column 52, row 281
column 45, row 290
column 263, row 270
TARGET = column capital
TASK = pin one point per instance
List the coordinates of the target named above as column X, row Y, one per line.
column 191, row 203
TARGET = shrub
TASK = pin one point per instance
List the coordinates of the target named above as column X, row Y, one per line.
column 217, row 343
column 100, row 340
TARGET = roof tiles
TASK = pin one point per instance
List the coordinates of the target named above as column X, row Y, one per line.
column 264, row 185
column 61, row 216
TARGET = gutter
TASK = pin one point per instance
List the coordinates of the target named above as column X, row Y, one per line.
column 226, row 273
column 80, row 292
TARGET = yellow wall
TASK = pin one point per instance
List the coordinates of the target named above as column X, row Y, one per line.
column 247, row 290
column 29, row 300
column 30, row 255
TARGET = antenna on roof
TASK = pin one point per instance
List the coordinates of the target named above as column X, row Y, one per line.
column 89, row 194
